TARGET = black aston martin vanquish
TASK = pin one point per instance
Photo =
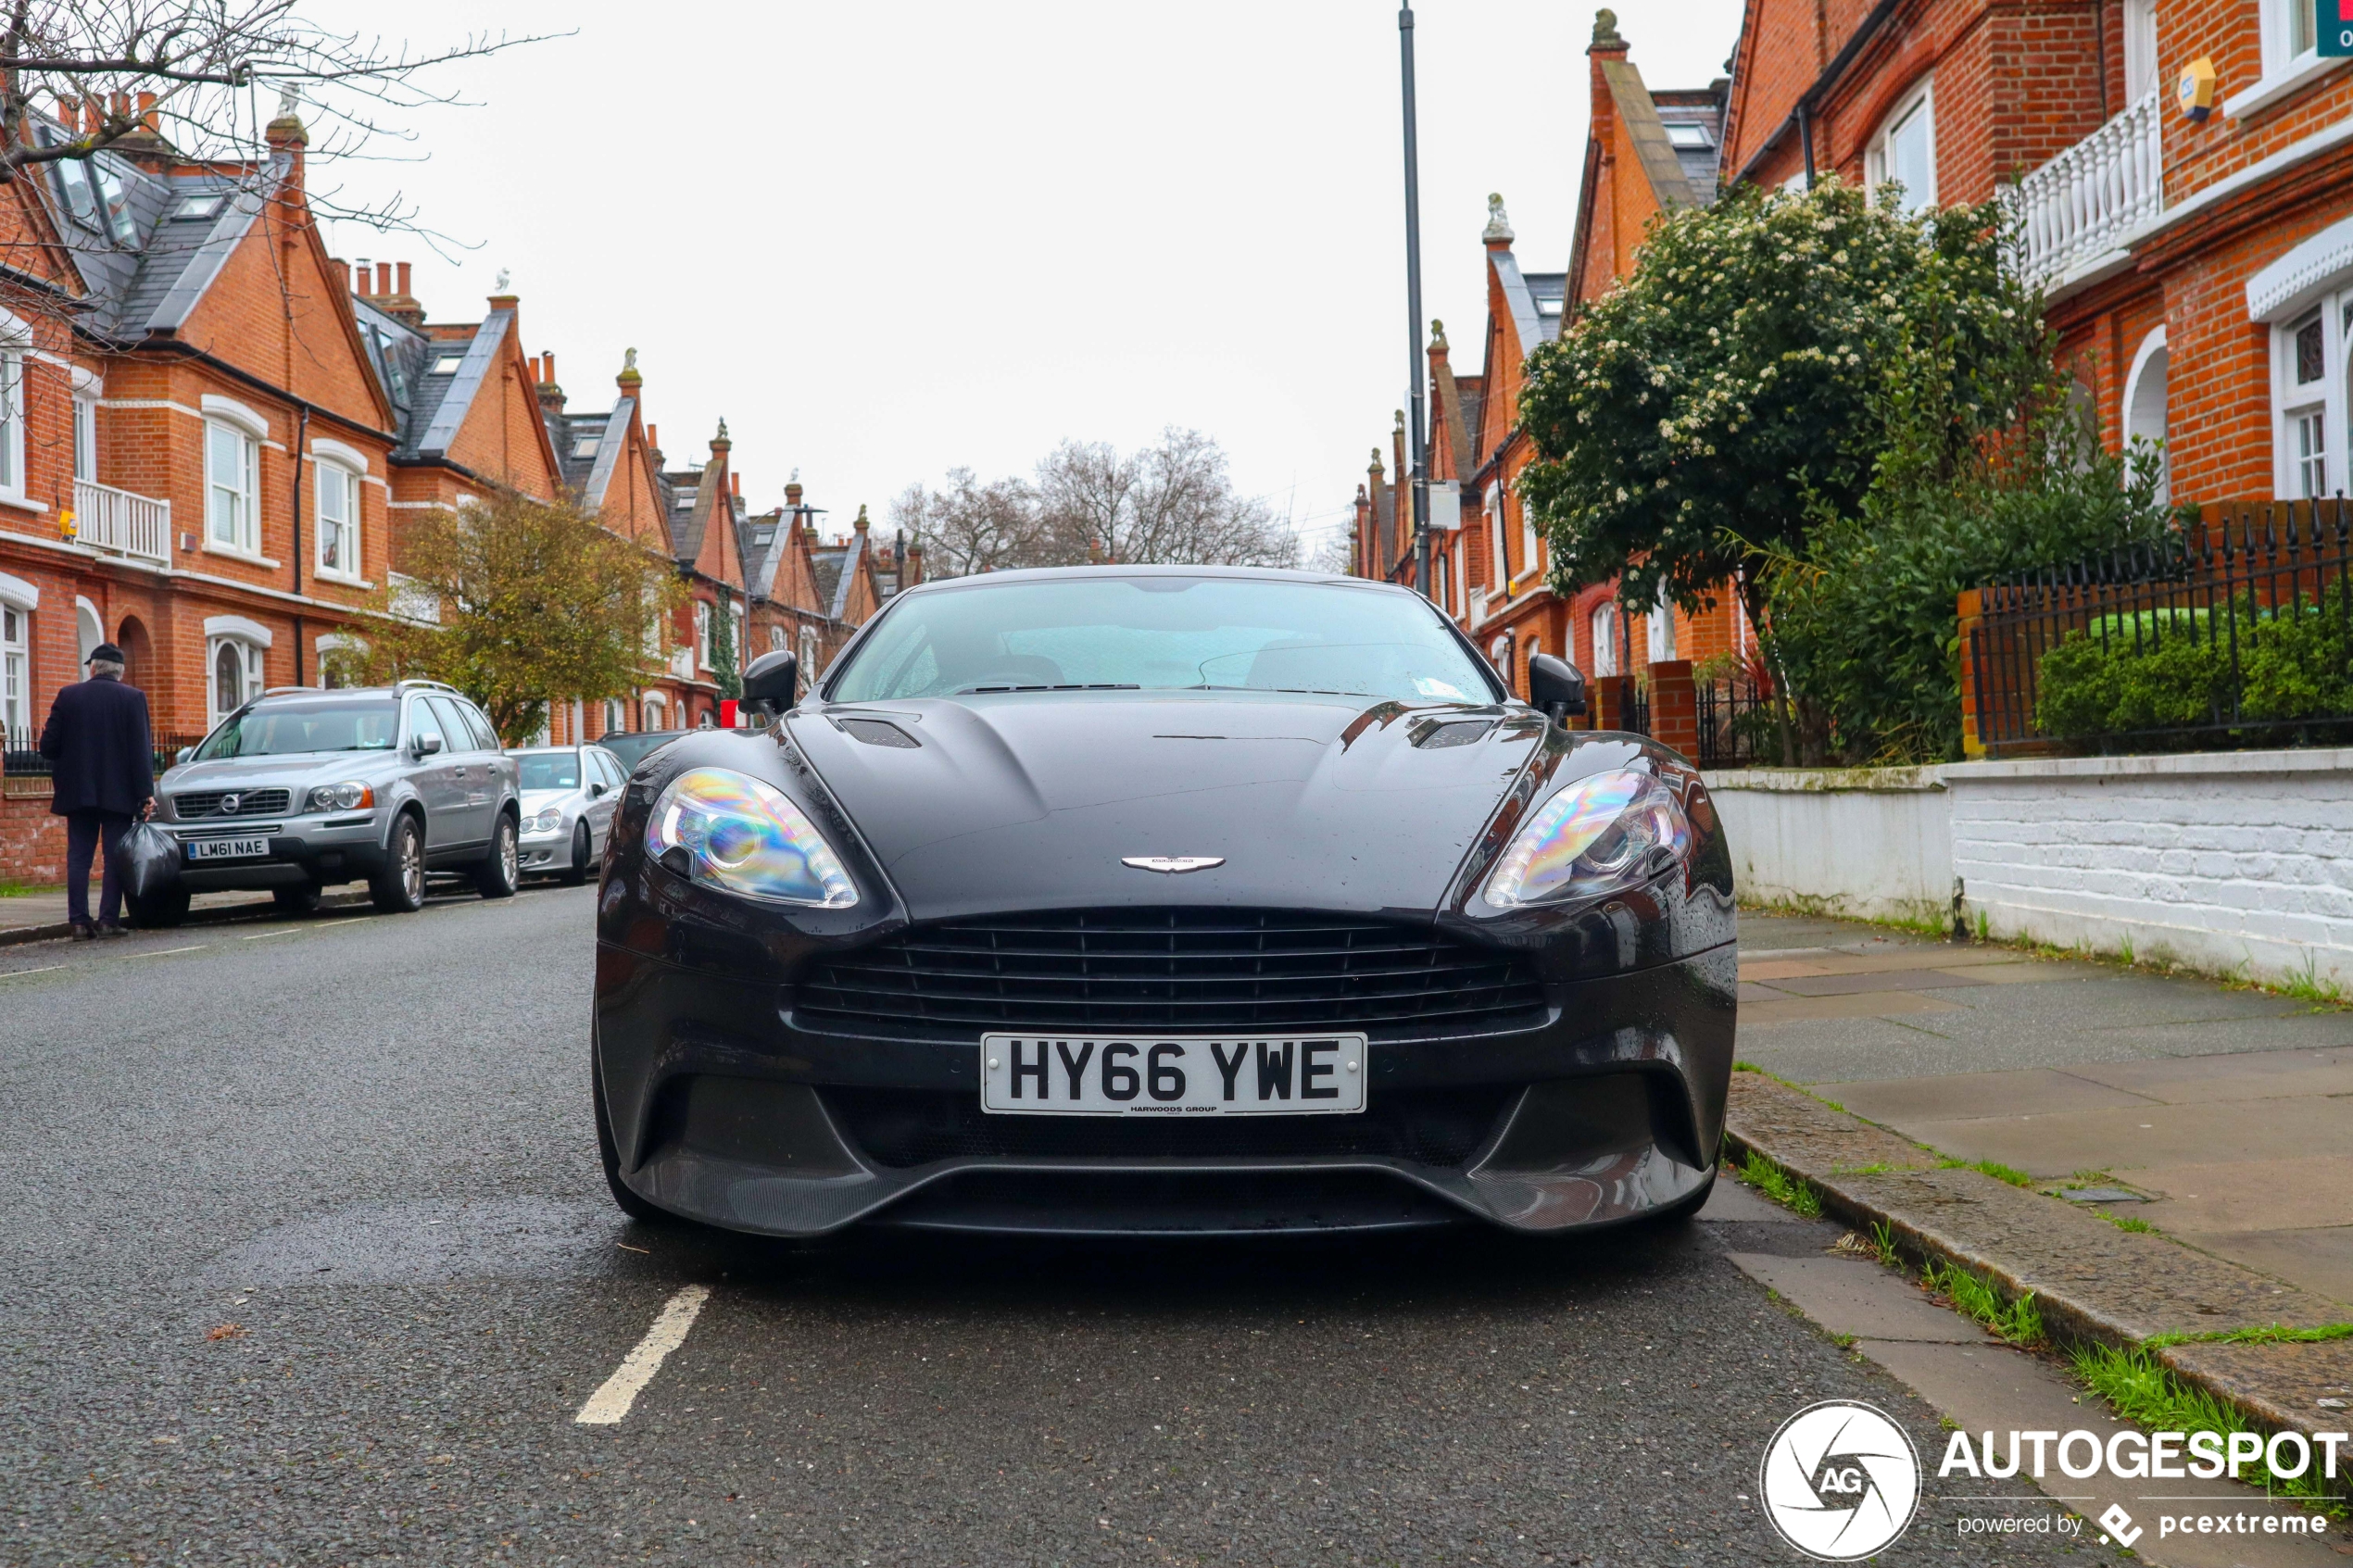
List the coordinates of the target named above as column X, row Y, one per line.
column 1124, row 900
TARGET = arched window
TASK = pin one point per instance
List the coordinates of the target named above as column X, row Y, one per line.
column 616, row 715
column 1604, row 626
column 229, row 682
column 807, row 655
column 233, row 648
column 1661, row 622
column 653, row 707
column 88, row 628
column 2145, row 404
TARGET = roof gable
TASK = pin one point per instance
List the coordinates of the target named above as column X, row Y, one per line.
column 488, row 420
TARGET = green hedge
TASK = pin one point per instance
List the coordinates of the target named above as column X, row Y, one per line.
column 2292, row 665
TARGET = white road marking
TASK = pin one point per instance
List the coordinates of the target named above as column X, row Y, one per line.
column 167, row 952
column 611, row 1402
column 265, row 935
column 353, row 920
column 42, row 969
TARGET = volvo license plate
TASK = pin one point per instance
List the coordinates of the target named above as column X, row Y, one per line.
column 1178, row 1075
column 227, row 849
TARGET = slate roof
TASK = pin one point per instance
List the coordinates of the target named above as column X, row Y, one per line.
column 826, row 562
column 399, row 354
column 590, row 476
column 430, row 431
column 131, row 264
column 1702, row 106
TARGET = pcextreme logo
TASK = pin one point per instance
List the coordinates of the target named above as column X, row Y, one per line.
column 1840, row 1480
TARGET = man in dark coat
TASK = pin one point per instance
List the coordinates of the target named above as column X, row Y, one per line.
column 98, row 742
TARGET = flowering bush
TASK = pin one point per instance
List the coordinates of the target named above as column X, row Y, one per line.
column 1740, row 386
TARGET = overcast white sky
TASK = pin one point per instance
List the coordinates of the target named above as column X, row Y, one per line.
column 882, row 240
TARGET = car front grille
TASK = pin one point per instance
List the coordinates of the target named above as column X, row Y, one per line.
column 1200, row 971
column 907, row 1127
column 198, row 804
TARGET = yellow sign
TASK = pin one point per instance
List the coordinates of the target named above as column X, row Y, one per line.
column 2198, row 88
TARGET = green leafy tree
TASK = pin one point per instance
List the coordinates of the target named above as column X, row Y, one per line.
column 517, row 603
column 723, row 646
column 1740, row 386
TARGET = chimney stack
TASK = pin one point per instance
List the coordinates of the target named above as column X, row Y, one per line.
column 542, row 371
column 736, row 484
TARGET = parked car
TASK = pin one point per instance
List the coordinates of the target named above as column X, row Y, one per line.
column 568, row 795
column 634, row 748
column 301, row 789
column 1165, row 900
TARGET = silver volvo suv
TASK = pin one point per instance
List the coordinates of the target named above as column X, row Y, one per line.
column 301, row 789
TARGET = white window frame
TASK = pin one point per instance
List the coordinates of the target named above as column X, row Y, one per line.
column 253, row 673
column 237, row 493
column 2140, row 48
column 333, row 475
column 1601, row 630
column 1530, row 548
column 16, row 675
column 776, row 639
column 654, row 711
column 742, row 629
column 85, row 436
column 702, row 633
column 808, row 657
column 2304, row 411
column 13, row 360
column 1921, row 99
column 89, row 630
column 616, row 708
column 1502, row 573
column 1659, row 629
column 2280, row 19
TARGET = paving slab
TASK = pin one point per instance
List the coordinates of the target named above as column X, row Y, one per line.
column 1827, row 960
column 2304, row 1192
column 1850, row 1295
column 2230, row 1075
column 1728, row 1203
column 2035, row 1091
column 1803, row 1010
column 1880, row 980
column 2319, row 1257
column 2136, row 1140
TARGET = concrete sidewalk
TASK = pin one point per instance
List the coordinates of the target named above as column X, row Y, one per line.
column 2221, row 1116
column 40, row 915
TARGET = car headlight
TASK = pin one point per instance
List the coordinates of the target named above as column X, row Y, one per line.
column 718, row 826
column 341, row 797
column 547, row 821
column 1608, row 833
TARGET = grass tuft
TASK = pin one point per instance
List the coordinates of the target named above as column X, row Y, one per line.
column 2143, row 1391
column 2019, row 1321
column 1993, row 1168
column 1790, row 1192
column 1883, row 1243
column 2268, row 1334
column 2127, row 1223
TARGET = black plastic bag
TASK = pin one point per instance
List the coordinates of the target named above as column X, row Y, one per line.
column 146, row 862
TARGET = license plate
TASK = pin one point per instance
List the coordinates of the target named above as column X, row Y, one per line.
column 226, row 848
column 1141, row 1075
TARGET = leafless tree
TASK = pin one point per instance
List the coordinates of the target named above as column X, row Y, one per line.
column 201, row 78
column 968, row 527
column 1172, row 504
column 1335, row 552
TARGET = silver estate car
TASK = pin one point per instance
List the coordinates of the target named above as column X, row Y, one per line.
column 568, row 795
column 303, row 788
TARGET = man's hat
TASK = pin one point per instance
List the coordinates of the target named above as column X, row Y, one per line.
column 105, row 651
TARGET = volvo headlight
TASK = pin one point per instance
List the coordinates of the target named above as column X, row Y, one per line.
column 728, row 829
column 1608, row 833
column 341, row 797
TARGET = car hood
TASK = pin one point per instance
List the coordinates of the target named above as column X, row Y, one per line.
column 1034, row 800
column 533, row 799
column 248, row 773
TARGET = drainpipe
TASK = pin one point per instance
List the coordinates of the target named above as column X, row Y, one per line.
column 1806, row 135
column 302, row 442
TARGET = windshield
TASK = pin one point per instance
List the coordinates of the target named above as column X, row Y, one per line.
column 281, row 729
column 1163, row 633
column 550, row 770
column 632, row 747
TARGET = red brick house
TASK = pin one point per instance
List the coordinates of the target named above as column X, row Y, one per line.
column 2198, row 264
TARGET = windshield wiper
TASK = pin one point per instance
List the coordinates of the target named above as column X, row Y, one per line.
column 1074, row 686
column 1288, row 691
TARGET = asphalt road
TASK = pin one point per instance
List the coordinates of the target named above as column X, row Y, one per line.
column 307, row 1261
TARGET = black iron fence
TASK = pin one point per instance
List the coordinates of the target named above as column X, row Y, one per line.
column 2239, row 632
column 1735, row 723
column 20, row 756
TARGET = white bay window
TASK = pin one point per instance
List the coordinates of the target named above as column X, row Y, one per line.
column 232, row 473
column 338, row 527
column 1903, row 151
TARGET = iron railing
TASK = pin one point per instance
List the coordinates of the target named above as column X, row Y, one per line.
column 20, row 756
column 1734, row 717
column 2235, row 631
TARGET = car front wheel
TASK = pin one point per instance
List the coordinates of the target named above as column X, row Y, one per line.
column 578, row 871
column 399, row 888
column 500, row 869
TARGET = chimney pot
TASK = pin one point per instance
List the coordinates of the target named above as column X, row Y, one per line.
column 361, row 275
column 147, row 110
column 735, row 482
column 653, row 436
column 384, row 277
column 548, row 362
column 404, row 277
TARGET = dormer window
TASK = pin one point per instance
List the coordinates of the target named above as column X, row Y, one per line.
column 1548, row 305
column 198, row 207
column 585, row 447
column 1688, row 136
column 446, row 365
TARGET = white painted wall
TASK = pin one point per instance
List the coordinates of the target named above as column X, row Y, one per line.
column 1872, row 842
column 2220, row 859
column 2224, row 861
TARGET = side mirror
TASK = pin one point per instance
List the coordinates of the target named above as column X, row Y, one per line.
column 1555, row 685
column 426, row 746
column 773, row 682
column 183, row 754
column 596, row 789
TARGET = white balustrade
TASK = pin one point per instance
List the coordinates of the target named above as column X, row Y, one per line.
column 115, row 520
column 2083, row 202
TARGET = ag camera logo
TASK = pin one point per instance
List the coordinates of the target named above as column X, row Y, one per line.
column 1840, row 1480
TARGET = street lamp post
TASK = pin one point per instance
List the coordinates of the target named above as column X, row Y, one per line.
column 1414, row 379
